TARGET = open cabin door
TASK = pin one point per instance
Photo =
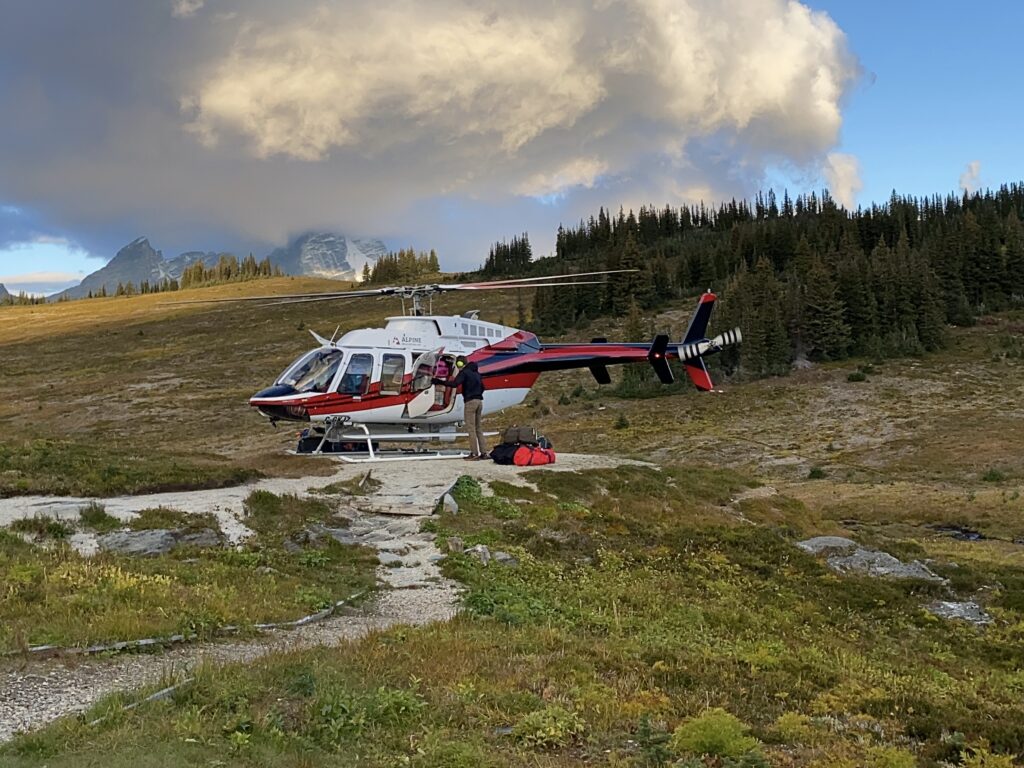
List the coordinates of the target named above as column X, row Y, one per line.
column 422, row 384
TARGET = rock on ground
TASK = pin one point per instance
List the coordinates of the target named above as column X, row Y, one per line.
column 820, row 544
column 849, row 556
column 966, row 611
column 155, row 542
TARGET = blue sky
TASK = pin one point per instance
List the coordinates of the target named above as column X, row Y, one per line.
column 942, row 88
column 938, row 90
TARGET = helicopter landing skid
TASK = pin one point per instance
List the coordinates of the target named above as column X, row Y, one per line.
column 372, row 454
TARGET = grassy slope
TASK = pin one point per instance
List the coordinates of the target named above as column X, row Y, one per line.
column 641, row 599
column 51, row 595
column 127, row 395
column 638, row 603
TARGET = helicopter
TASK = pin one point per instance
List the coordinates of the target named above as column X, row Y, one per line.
column 374, row 385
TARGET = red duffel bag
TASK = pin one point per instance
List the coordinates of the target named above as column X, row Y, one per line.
column 533, row 456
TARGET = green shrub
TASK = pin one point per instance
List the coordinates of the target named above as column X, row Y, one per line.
column 993, row 476
column 94, row 516
column 816, row 473
column 890, row 757
column 857, row 376
column 42, row 527
column 548, row 728
column 342, row 714
column 793, row 728
column 979, row 757
column 622, row 422
column 715, row 732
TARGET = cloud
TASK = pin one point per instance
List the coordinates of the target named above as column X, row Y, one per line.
column 580, row 172
column 394, row 118
column 970, row 178
column 40, row 283
column 842, row 174
column 182, row 9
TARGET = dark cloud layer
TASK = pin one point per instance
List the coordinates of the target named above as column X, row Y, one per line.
column 231, row 124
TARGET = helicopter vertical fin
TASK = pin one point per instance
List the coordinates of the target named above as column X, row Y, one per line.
column 698, row 329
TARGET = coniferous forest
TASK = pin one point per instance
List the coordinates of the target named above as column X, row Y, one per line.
column 803, row 277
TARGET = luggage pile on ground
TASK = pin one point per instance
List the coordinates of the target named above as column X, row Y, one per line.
column 523, row 447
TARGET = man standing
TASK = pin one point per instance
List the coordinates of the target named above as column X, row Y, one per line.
column 468, row 377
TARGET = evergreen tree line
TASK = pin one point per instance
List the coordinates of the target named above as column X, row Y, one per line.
column 21, row 299
column 405, row 266
column 803, row 277
column 509, row 258
column 228, row 269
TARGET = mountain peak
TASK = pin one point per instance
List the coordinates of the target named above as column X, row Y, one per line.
column 322, row 254
column 328, row 254
column 4, row 293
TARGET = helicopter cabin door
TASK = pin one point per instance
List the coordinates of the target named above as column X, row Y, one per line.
column 422, row 384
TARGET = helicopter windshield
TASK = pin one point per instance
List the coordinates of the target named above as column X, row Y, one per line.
column 314, row 371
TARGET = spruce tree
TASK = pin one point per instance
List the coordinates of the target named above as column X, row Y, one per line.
column 826, row 335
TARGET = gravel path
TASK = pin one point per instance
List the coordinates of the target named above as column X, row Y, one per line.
column 35, row 692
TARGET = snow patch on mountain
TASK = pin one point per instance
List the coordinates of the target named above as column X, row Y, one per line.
column 325, row 254
column 320, row 254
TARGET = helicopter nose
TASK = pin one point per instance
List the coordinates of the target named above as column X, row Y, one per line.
column 278, row 390
column 268, row 402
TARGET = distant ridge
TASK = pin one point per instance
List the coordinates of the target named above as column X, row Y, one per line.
column 4, row 293
column 320, row 254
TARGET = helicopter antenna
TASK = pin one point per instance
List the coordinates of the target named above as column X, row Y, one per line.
column 335, row 334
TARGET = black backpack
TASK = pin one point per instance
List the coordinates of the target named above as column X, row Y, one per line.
column 504, row 453
column 518, row 434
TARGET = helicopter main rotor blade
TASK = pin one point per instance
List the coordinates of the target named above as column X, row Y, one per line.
column 297, row 296
column 412, row 291
column 512, row 282
column 479, row 287
column 502, row 286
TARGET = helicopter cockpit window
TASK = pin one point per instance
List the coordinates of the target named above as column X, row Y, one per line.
column 314, row 371
column 356, row 380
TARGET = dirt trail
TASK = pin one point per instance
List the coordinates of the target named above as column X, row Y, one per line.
column 35, row 692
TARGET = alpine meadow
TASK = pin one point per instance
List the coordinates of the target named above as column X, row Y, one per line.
column 626, row 384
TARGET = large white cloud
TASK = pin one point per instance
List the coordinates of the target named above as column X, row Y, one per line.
column 366, row 77
column 395, row 118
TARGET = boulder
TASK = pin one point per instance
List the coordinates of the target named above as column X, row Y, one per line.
column 455, row 544
column 158, row 541
column 480, row 552
column 388, row 559
column 504, row 558
column 820, row 544
column 206, row 538
column 881, row 564
column 315, row 533
column 142, row 543
column 847, row 556
column 965, row 611
column 449, row 504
